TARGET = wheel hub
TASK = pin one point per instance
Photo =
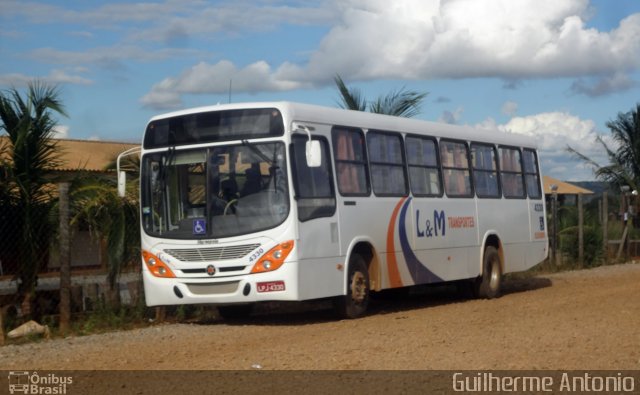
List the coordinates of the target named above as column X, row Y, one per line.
column 358, row 287
column 494, row 280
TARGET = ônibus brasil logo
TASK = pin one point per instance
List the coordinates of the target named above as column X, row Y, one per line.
column 22, row 382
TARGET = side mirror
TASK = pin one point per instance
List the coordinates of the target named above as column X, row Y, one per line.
column 122, row 176
column 122, row 183
column 313, row 153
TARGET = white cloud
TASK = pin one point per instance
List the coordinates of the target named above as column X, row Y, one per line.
column 604, row 85
column 554, row 132
column 216, row 78
column 470, row 38
column 231, row 19
column 60, row 132
column 112, row 57
column 451, row 117
column 426, row 39
column 55, row 77
column 163, row 20
column 161, row 99
column 510, row 108
column 62, row 77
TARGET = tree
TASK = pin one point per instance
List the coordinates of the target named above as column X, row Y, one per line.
column 401, row 103
column 30, row 156
column 113, row 219
column 624, row 159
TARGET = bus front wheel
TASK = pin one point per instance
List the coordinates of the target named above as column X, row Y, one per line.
column 354, row 303
column 488, row 285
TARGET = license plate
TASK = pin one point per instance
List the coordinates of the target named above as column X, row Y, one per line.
column 271, row 286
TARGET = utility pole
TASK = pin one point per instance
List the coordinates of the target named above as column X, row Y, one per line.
column 554, row 223
column 605, row 225
column 580, row 231
column 65, row 258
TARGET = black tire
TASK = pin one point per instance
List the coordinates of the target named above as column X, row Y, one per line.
column 235, row 311
column 354, row 304
column 489, row 284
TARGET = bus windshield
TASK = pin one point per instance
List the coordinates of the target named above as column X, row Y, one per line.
column 214, row 192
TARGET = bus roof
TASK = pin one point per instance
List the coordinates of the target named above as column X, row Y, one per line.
column 336, row 116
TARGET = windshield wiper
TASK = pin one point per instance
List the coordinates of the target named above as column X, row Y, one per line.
column 273, row 168
column 256, row 151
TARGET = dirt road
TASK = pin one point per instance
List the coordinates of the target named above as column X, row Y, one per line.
column 587, row 319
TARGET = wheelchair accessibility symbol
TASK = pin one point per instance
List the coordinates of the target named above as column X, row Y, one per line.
column 199, row 226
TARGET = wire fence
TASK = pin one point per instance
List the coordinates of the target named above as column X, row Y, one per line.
column 31, row 248
column 605, row 229
column 30, row 253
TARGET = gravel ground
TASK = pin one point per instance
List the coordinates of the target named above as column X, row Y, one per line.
column 585, row 319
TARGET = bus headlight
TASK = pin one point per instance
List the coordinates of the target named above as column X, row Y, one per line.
column 156, row 266
column 274, row 258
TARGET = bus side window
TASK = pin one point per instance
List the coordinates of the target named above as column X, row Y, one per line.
column 485, row 170
column 455, row 166
column 387, row 163
column 351, row 161
column 511, row 173
column 424, row 169
column 314, row 189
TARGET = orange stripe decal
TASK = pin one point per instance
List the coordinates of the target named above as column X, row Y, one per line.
column 392, row 263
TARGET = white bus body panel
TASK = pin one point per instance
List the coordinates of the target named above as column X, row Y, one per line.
column 223, row 286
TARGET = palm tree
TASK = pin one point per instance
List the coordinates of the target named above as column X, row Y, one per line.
column 401, row 103
column 113, row 219
column 624, row 160
column 30, row 156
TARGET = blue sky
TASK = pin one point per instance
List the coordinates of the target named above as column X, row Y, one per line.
column 554, row 69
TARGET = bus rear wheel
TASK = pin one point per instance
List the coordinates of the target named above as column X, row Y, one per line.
column 354, row 304
column 488, row 285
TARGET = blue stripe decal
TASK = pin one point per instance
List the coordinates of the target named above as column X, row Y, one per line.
column 419, row 272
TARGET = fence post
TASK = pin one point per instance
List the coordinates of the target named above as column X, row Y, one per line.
column 65, row 258
column 605, row 226
column 580, row 231
column 554, row 223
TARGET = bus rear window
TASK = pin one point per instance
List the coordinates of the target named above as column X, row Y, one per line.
column 531, row 174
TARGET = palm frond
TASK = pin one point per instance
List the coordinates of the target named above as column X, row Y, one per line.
column 583, row 157
column 350, row 99
column 110, row 218
column 27, row 160
column 401, row 103
column 624, row 161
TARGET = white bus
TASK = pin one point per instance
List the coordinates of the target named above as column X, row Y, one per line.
column 245, row 203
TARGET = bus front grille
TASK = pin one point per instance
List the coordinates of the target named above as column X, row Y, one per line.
column 212, row 253
column 213, row 288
